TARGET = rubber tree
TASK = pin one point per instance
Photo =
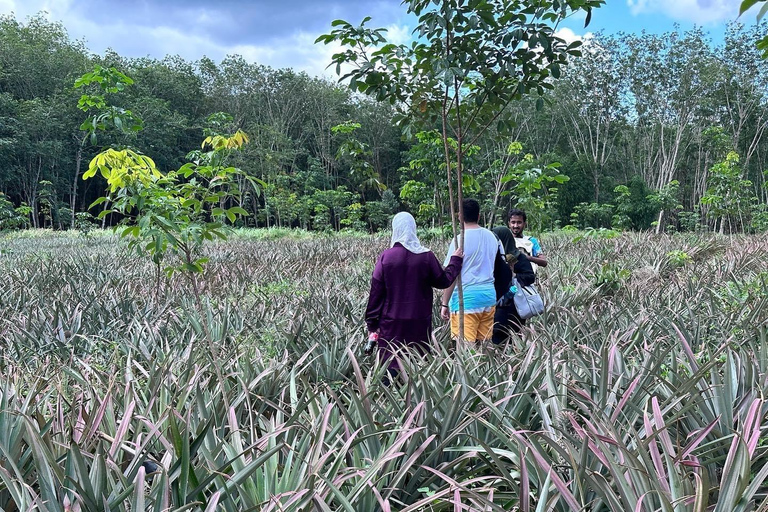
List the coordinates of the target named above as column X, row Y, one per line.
column 468, row 60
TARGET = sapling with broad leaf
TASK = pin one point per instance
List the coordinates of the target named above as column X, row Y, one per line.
column 169, row 216
column 468, row 61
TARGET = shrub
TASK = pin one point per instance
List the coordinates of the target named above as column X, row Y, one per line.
column 13, row 218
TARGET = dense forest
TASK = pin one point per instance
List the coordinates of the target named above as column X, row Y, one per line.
column 642, row 130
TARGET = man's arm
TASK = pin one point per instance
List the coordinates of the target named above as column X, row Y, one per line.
column 540, row 260
column 538, row 256
column 445, row 312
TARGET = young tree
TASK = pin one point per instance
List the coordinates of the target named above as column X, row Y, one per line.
column 666, row 200
column 469, row 60
column 102, row 114
column 357, row 155
column 166, row 216
column 729, row 196
column 534, row 188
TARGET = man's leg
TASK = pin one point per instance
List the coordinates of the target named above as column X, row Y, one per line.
column 484, row 327
column 470, row 329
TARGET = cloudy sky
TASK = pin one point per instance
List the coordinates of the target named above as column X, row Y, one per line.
column 281, row 33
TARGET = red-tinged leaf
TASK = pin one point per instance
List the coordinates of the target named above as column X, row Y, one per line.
column 383, row 503
column 702, row 494
column 639, row 505
column 583, row 394
column 578, row 428
column 125, row 423
column 321, row 435
column 138, row 491
column 296, row 496
column 752, row 426
column 213, row 502
column 661, row 473
column 525, row 485
column 568, row 497
column 661, row 428
column 625, row 398
column 697, row 440
column 687, row 348
column 99, row 417
column 612, row 358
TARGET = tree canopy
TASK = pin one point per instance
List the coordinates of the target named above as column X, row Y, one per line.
column 633, row 111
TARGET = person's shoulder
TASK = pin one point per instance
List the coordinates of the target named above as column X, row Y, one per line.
column 489, row 236
column 485, row 232
column 392, row 251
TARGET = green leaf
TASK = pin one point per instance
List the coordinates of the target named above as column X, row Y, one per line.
column 746, row 5
column 98, row 202
column 763, row 10
column 238, row 210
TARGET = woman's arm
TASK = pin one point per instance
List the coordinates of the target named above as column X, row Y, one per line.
column 376, row 298
column 443, row 278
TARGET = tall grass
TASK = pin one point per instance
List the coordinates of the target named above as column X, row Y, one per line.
column 641, row 388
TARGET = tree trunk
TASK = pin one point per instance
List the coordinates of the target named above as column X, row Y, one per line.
column 658, row 221
column 447, row 153
column 460, row 196
column 73, row 199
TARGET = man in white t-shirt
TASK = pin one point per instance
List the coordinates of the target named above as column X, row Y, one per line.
column 480, row 249
column 517, row 221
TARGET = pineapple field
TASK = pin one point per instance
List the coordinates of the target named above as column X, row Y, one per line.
column 642, row 387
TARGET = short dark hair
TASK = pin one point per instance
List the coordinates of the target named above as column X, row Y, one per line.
column 471, row 210
column 517, row 212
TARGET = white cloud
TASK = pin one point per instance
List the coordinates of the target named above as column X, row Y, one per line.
column 294, row 49
column 399, row 34
column 570, row 36
column 702, row 12
column 302, row 54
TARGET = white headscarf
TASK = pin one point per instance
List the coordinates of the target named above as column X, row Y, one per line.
column 404, row 232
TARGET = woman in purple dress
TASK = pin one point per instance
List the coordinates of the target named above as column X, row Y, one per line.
column 399, row 311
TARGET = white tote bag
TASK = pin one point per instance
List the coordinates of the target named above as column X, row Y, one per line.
column 528, row 302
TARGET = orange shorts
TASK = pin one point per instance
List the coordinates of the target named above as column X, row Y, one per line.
column 477, row 326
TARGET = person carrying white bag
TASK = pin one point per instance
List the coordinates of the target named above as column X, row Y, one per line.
column 513, row 308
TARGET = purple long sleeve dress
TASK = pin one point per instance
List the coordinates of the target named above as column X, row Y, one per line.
column 400, row 303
